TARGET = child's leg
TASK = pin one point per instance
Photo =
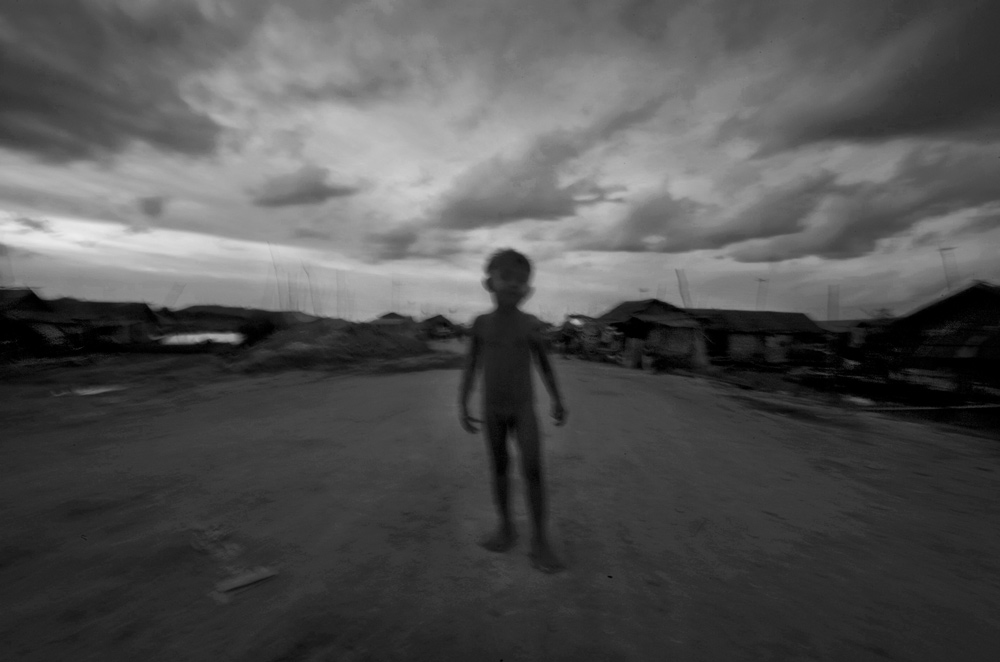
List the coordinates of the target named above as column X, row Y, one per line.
column 496, row 427
column 529, row 441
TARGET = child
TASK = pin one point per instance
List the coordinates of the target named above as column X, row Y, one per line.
column 503, row 342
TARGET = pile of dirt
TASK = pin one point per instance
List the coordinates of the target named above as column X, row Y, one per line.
column 328, row 344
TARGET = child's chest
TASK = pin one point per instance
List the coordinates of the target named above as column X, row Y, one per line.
column 507, row 335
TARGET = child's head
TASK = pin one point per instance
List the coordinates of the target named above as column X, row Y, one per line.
column 508, row 277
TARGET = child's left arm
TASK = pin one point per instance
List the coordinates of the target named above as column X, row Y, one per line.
column 548, row 374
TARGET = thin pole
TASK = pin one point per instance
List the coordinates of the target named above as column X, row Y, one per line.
column 761, row 293
column 312, row 292
column 944, row 264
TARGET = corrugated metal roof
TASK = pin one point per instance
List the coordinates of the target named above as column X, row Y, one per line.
column 14, row 297
column 102, row 310
column 979, row 293
column 627, row 309
column 755, row 321
column 671, row 320
column 50, row 332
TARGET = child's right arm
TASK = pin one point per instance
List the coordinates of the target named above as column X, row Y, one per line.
column 469, row 378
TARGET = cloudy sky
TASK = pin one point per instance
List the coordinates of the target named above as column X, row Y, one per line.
column 389, row 146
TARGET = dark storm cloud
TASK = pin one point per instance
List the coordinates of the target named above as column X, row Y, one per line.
column 85, row 79
column 817, row 215
column 33, row 224
column 307, row 186
column 902, row 70
column 985, row 221
column 505, row 190
column 152, row 206
column 667, row 224
column 933, row 181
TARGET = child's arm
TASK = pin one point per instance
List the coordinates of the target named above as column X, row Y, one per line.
column 548, row 375
column 469, row 378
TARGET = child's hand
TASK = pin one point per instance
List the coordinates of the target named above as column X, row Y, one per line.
column 559, row 413
column 468, row 423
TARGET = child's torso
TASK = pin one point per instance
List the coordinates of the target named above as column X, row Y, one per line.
column 506, row 356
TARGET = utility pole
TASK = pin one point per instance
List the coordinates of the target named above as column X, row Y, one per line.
column 944, row 264
column 277, row 281
column 312, row 292
column 761, row 293
column 682, row 286
column 5, row 252
column 339, row 297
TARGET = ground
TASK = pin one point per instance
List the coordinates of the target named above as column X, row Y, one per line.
column 698, row 522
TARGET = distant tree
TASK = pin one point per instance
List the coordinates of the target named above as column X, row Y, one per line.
column 259, row 327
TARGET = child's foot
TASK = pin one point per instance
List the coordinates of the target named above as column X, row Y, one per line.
column 501, row 541
column 544, row 559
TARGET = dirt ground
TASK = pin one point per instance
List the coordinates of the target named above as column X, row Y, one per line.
column 698, row 522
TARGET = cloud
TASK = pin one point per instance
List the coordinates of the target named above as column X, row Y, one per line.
column 505, row 190
column 86, row 79
column 152, row 206
column 817, row 215
column 409, row 242
column 909, row 70
column 307, row 186
column 666, row 224
column 310, row 233
column 33, row 224
column 931, row 182
column 364, row 82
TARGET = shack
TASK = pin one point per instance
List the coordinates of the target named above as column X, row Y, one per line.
column 956, row 338
column 657, row 330
column 20, row 329
column 107, row 322
column 396, row 323
column 751, row 336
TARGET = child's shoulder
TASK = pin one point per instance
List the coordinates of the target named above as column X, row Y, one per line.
column 530, row 320
column 481, row 321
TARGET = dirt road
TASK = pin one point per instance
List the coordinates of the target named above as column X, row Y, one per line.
column 698, row 524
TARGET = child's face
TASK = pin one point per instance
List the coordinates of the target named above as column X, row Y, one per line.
column 509, row 285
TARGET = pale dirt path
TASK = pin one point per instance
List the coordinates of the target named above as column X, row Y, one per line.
column 697, row 526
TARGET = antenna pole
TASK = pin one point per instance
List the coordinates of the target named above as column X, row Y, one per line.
column 944, row 264
column 761, row 293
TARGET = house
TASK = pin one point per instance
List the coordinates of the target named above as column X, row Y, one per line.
column 585, row 336
column 957, row 337
column 21, row 299
column 18, row 331
column 29, row 323
column 757, row 335
column 397, row 324
column 105, row 322
column 204, row 318
column 659, row 330
column 396, row 317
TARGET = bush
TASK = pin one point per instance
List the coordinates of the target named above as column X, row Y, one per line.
column 330, row 344
column 257, row 329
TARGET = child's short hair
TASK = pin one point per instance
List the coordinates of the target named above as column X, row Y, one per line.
column 508, row 257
